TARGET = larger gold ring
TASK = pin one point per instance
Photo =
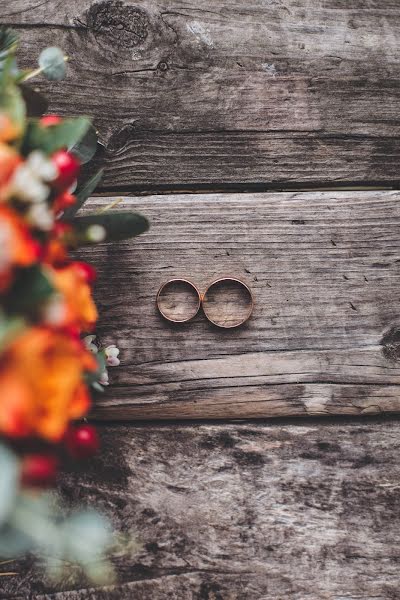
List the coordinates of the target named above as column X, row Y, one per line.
column 246, row 316
column 170, row 282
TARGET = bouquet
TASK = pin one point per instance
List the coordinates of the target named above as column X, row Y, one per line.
column 49, row 361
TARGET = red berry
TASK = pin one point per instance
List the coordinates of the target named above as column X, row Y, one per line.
column 73, row 331
column 82, row 441
column 88, row 272
column 49, row 120
column 39, row 470
column 61, row 230
column 68, row 168
column 63, row 201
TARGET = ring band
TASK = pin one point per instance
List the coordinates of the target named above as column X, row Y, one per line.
column 249, row 311
column 178, row 280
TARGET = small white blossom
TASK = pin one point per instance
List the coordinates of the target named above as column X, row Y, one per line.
column 96, row 233
column 55, row 311
column 40, row 216
column 112, row 353
column 103, row 379
column 41, row 166
column 27, row 187
column 88, row 341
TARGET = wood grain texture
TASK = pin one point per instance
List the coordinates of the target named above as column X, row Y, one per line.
column 217, row 92
column 243, row 512
column 324, row 337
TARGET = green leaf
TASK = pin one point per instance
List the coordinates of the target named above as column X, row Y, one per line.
column 92, row 377
column 8, row 42
column 50, row 139
column 97, row 387
column 9, row 328
column 117, row 225
column 101, row 361
column 30, row 288
column 12, row 104
column 86, row 148
column 52, row 63
column 8, row 481
column 88, row 536
column 37, row 524
column 13, row 543
column 83, row 194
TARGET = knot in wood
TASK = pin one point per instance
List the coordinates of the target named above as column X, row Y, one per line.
column 121, row 25
column 391, row 344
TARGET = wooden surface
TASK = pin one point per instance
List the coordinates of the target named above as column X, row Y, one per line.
column 324, row 337
column 190, row 93
column 244, row 512
column 227, row 95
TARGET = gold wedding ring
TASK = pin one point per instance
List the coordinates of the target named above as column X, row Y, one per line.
column 207, row 301
column 227, row 322
column 169, row 314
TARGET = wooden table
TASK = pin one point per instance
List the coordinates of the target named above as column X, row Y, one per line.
column 262, row 140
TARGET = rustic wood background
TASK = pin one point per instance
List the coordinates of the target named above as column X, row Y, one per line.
column 262, row 139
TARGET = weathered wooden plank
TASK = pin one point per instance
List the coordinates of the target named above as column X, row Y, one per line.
column 214, row 92
column 324, row 336
column 243, row 512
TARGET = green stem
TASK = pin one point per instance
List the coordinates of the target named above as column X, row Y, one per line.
column 111, row 205
column 32, row 74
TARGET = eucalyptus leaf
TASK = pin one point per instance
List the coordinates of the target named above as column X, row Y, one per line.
column 50, row 139
column 83, row 194
column 86, row 147
column 88, row 536
column 37, row 517
column 13, row 542
column 52, row 63
column 117, row 225
column 9, row 476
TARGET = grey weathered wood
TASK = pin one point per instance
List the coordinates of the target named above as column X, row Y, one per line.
column 243, row 512
column 216, row 92
column 323, row 339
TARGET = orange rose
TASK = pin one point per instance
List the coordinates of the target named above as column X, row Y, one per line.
column 54, row 250
column 9, row 130
column 18, row 248
column 9, row 161
column 41, row 384
column 71, row 282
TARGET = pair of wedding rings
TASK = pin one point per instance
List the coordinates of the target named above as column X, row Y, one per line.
column 227, row 302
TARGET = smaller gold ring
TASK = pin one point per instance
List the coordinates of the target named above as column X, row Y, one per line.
column 249, row 311
column 177, row 280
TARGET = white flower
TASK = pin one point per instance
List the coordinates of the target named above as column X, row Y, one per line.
column 112, row 353
column 103, row 379
column 41, row 166
column 54, row 311
column 27, row 187
column 40, row 216
column 88, row 341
